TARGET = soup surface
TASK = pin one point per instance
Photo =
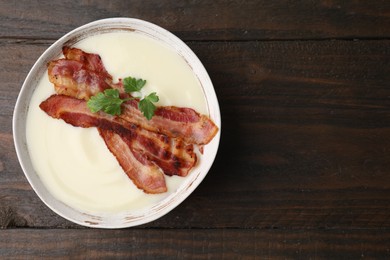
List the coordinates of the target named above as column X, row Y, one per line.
column 74, row 163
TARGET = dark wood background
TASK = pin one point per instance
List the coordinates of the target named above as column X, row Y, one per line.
column 303, row 169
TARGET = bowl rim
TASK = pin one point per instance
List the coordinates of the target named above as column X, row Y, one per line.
column 21, row 108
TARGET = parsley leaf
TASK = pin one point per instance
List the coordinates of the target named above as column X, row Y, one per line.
column 108, row 101
column 133, row 84
column 146, row 105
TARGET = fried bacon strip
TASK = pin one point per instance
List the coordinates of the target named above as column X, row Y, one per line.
column 144, row 149
column 91, row 61
column 72, row 78
column 145, row 174
column 83, row 75
column 172, row 155
column 79, row 74
column 176, row 122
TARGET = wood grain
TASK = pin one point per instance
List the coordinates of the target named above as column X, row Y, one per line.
column 188, row 244
column 302, row 170
column 304, row 138
column 206, row 20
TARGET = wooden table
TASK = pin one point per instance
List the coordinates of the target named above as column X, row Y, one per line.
column 303, row 169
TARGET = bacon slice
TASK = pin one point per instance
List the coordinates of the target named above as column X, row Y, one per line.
column 172, row 155
column 176, row 122
column 79, row 75
column 72, row 78
column 143, row 148
column 91, row 61
column 145, row 174
column 83, row 75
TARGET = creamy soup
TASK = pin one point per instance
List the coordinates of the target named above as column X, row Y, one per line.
column 74, row 163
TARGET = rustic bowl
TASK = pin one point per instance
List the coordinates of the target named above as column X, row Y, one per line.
column 126, row 218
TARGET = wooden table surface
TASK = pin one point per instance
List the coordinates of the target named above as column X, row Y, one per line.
column 303, row 169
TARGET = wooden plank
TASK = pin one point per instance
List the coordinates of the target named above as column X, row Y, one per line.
column 194, row 243
column 206, row 20
column 305, row 140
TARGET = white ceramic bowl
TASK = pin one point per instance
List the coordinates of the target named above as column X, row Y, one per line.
column 127, row 218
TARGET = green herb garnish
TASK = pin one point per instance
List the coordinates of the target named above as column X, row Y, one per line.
column 146, row 105
column 110, row 102
column 133, row 84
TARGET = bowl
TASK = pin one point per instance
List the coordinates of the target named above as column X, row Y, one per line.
column 126, row 218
